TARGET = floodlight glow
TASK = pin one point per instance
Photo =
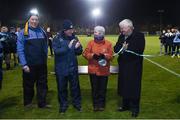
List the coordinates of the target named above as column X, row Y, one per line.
column 34, row 11
column 96, row 12
column 95, row 0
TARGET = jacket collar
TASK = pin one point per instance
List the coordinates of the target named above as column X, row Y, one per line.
column 100, row 42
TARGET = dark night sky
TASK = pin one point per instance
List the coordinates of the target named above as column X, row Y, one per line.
column 79, row 11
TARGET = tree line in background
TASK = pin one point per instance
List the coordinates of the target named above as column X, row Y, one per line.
column 56, row 25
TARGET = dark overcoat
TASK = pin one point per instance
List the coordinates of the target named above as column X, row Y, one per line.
column 130, row 65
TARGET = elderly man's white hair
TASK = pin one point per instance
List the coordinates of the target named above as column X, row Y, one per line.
column 100, row 29
column 126, row 23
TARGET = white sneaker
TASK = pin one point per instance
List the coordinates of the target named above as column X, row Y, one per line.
column 178, row 56
column 173, row 56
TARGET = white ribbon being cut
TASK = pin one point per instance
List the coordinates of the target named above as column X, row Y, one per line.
column 122, row 50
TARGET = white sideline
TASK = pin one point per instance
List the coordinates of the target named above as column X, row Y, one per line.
column 174, row 73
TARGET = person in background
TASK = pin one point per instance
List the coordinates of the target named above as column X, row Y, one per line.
column 18, row 29
column 162, row 41
column 6, row 46
column 176, row 44
column 50, row 38
column 1, row 59
column 12, row 43
column 96, row 51
column 168, row 40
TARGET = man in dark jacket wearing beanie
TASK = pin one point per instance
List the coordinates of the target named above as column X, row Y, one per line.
column 66, row 47
column 32, row 52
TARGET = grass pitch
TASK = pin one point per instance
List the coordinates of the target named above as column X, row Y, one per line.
column 160, row 96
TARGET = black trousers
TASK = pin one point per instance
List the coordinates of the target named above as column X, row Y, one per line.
column 99, row 87
column 175, row 48
column 50, row 47
column 62, row 85
column 168, row 49
column 131, row 104
column 38, row 75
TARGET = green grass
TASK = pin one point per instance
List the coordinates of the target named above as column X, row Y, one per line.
column 160, row 91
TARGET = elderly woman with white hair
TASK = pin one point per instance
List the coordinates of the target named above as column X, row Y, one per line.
column 99, row 53
column 130, row 66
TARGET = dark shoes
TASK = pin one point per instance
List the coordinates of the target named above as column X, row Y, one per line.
column 28, row 105
column 78, row 108
column 134, row 114
column 101, row 109
column 62, row 111
column 121, row 109
column 46, row 106
column 98, row 109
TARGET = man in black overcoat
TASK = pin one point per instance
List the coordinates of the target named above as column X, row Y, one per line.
column 130, row 66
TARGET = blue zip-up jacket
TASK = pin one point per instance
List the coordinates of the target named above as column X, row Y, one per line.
column 32, row 49
column 65, row 58
column 177, row 38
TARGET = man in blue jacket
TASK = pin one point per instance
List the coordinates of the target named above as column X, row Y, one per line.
column 66, row 47
column 176, row 44
column 32, row 52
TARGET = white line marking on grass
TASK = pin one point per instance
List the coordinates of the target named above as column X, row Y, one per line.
column 174, row 73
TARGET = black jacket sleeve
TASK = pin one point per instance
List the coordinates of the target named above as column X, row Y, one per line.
column 118, row 45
